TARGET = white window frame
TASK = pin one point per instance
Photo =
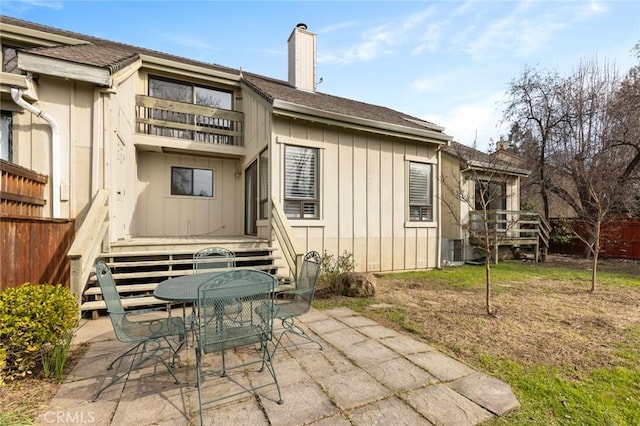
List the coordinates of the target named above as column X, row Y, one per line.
column 315, row 200
column 409, row 223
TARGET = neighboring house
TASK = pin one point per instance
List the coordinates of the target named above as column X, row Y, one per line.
column 153, row 152
column 468, row 176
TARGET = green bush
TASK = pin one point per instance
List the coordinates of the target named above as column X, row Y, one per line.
column 334, row 270
column 34, row 319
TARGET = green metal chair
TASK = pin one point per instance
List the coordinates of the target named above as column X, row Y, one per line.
column 213, row 258
column 299, row 302
column 218, row 332
column 150, row 337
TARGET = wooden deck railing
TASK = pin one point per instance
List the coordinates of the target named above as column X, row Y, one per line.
column 163, row 117
column 88, row 243
column 512, row 227
column 22, row 191
column 283, row 233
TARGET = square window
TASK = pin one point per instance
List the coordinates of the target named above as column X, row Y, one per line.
column 191, row 182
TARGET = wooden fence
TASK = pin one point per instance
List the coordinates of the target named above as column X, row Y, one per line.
column 620, row 239
column 21, row 191
column 34, row 250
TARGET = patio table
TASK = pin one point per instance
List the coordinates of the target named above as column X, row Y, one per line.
column 183, row 289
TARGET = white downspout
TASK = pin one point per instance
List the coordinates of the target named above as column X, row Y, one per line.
column 16, row 94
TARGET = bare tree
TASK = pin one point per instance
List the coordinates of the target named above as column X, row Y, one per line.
column 585, row 129
column 532, row 111
column 478, row 194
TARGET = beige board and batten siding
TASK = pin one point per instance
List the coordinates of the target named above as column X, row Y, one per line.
column 71, row 105
column 257, row 135
column 453, row 210
column 158, row 213
column 363, row 196
column 120, row 171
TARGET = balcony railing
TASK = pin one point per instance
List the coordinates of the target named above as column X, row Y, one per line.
column 510, row 227
column 180, row 120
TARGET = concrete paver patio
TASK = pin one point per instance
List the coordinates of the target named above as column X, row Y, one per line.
column 365, row 374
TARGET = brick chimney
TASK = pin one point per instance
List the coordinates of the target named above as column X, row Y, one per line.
column 302, row 59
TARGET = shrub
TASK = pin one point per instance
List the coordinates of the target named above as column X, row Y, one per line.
column 35, row 319
column 334, row 270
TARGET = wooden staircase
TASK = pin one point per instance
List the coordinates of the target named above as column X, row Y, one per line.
column 138, row 267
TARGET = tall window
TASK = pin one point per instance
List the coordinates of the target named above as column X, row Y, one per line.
column 420, row 192
column 263, row 184
column 6, row 136
column 191, row 182
column 191, row 93
column 301, row 199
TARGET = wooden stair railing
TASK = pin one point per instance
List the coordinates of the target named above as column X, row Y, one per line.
column 283, row 234
column 88, row 243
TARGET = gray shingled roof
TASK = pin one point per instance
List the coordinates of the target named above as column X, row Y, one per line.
column 480, row 159
column 277, row 89
column 112, row 55
column 92, row 52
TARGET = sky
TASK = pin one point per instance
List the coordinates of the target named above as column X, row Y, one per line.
column 447, row 62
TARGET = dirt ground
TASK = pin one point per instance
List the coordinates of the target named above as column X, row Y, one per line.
column 551, row 322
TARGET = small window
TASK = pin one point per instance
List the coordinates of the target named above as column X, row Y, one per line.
column 301, row 199
column 191, row 182
column 420, row 192
column 6, row 136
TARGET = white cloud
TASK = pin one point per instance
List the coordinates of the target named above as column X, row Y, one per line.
column 385, row 39
column 19, row 7
column 472, row 121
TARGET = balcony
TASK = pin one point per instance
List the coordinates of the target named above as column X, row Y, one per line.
column 169, row 126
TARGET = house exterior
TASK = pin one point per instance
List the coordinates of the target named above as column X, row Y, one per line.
column 475, row 184
column 168, row 147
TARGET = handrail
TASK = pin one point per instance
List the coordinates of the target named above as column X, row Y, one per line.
column 88, row 243
column 513, row 224
column 164, row 117
column 286, row 239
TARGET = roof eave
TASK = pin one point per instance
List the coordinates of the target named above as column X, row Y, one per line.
column 483, row 166
column 43, row 65
column 291, row 109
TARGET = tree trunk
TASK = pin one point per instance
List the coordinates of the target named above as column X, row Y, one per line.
column 487, row 264
column 487, row 277
column 596, row 253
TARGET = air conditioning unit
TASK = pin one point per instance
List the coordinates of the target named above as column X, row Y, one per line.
column 452, row 251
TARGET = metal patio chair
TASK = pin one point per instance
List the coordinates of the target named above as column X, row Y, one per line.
column 299, row 301
column 150, row 336
column 217, row 332
column 213, row 258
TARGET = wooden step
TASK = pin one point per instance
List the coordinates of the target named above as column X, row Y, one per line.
column 134, row 302
column 131, row 302
column 169, row 262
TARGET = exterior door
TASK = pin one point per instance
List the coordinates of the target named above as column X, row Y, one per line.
column 251, row 199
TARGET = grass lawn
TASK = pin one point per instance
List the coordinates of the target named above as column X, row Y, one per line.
column 571, row 357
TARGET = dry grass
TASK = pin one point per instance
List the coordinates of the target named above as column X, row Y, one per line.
column 23, row 400
column 539, row 321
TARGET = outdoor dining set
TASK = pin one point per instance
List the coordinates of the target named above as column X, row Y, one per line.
column 223, row 308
